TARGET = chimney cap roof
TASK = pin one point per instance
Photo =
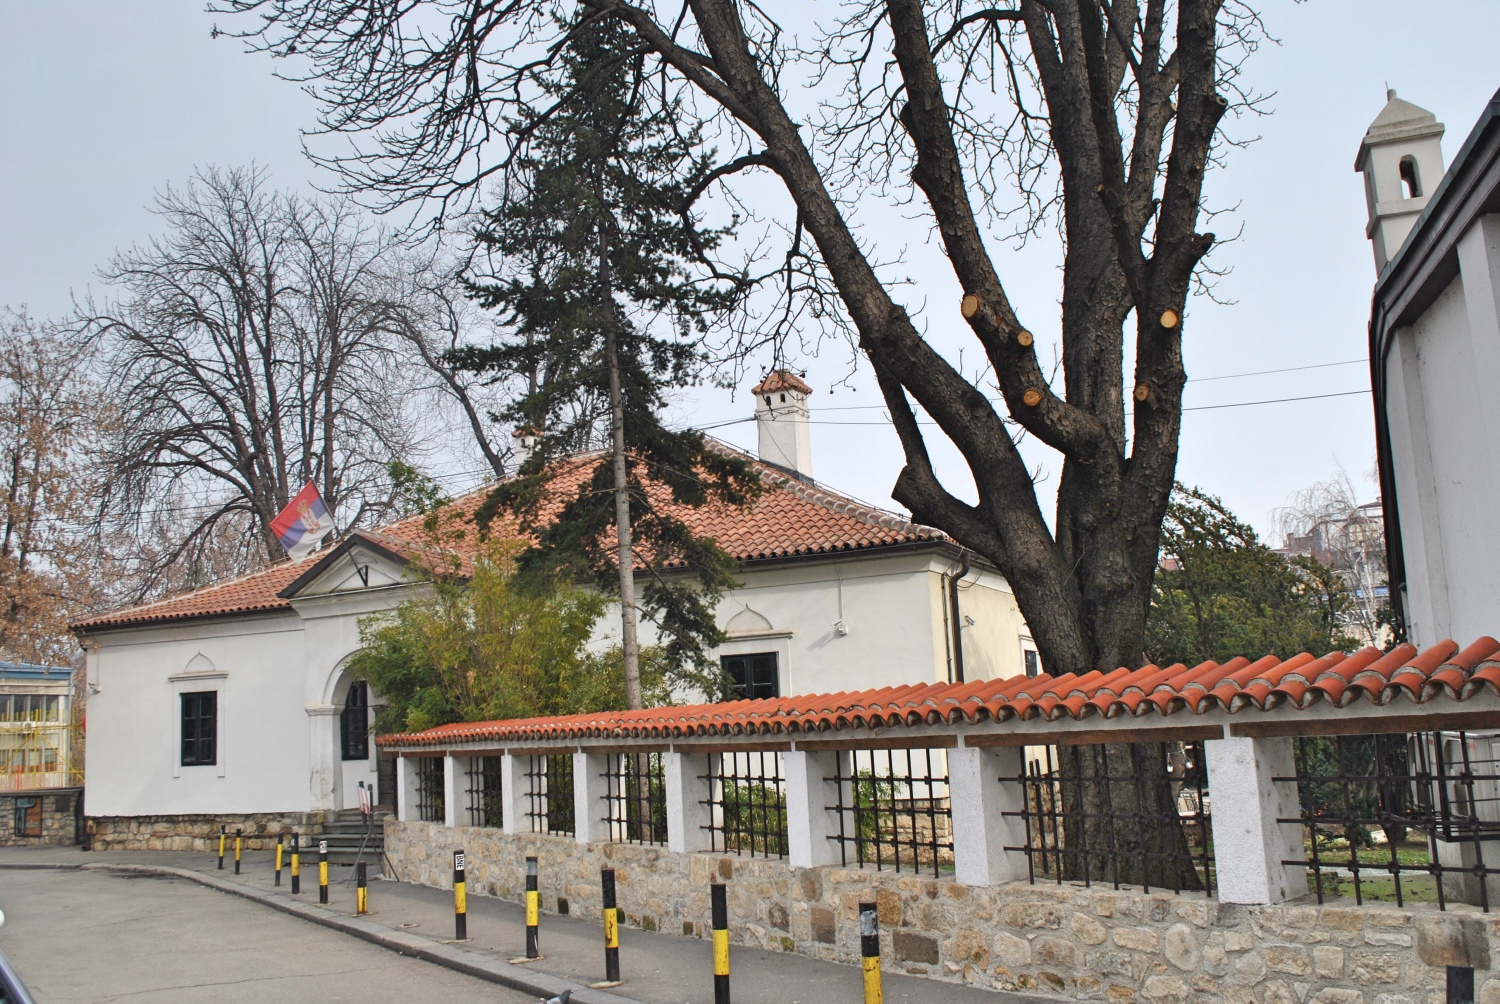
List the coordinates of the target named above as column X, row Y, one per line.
column 779, row 380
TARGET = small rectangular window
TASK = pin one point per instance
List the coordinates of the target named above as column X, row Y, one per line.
column 200, row 728
column 4, row 707
column 354, row 723
column 753, row 676
column 1033, row 664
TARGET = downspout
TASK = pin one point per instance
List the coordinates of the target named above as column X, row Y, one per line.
column 947, row 621
column 956, row 621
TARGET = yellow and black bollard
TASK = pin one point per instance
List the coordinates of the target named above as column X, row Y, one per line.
column 869, row 951
column 533, row 911
column 719, row 893
column 322, row 871
column 460, row 899
column 239, row 839
column 221, row 848
column 611, row 927
column 280, row 848
column 296, row 864
column 361, row 890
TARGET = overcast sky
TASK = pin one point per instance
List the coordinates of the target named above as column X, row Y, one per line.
column 104, row 102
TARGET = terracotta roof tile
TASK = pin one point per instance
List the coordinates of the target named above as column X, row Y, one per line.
column 1302, row 681
column 779, row 380
column 791, row 519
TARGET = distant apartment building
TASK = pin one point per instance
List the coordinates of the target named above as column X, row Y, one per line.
column 1352, row 543
column 41, row 756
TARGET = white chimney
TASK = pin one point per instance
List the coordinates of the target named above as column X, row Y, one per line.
column 1401, row 158
column 781, row 419
column 525, row 444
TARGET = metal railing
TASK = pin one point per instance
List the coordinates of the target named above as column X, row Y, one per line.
column 747, row 803
column 486, row 804
column 549, row 793
column 40, row 756
column 1401, row 818
column 635, row 798
column 1123, row 813
column 893, row 809
column 430, row 807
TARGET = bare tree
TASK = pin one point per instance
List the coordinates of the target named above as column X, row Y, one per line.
column 253, row 348
column 1102, row 114
column 49, row 422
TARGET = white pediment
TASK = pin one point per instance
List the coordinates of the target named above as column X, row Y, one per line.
column 748, row 621
column 357, row 569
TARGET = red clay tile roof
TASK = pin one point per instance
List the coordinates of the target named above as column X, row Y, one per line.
column 778, row 380
column 1301, row 681
column 791, row 519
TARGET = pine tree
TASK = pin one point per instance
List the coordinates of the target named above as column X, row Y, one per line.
column 607, row 309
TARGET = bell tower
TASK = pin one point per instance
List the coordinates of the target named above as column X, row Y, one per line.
column 1401, row 158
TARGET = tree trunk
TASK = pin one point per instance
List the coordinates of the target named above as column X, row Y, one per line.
column 629, row 644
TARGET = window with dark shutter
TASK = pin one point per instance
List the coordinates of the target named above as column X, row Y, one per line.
column 754, row 676
column 354, row 723
column 200, row 728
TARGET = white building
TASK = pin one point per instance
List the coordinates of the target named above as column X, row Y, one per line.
column 1435, row 366
column 235, row 701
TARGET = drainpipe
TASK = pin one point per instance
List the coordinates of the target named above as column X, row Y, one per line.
column 956, row 622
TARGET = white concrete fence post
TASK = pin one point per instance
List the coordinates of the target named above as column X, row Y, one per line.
column 452, row 788
column 406, row 789
column 809, row 793
column 513, row 795
column 1249, row 844
column 589, row 790
column 979, row 799
column 687, row 803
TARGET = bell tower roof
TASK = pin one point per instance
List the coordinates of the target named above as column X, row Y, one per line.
column 1398, row 120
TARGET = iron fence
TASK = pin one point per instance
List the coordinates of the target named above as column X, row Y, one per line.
column 430, row 807
column 635, row 798
column 1123, row 813
column 486, row 807
column 747, row 803
column 549, row 793
column 893, row 809
column 1397, row 817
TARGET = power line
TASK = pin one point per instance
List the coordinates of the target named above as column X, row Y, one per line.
column 1285, row 369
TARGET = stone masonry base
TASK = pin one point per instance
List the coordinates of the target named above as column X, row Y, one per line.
column 197, row 832
column 59, row 825
column 1066, row 942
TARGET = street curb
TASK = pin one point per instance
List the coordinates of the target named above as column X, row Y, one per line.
column 448, row 956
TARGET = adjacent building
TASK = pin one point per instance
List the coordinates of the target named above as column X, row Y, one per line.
column 41, row 755
column 234, row 704
column 1434, row 365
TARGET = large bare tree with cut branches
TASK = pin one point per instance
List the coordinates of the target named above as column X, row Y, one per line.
column 1103, row 115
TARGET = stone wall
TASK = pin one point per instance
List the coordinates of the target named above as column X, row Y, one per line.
column 196, row 832
column 1065, row 942
column 59, row 822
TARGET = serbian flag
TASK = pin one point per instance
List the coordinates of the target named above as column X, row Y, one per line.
column 303, row 523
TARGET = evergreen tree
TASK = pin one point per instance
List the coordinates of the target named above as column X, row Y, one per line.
column 606, row 306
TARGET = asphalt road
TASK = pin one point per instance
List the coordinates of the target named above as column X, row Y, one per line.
column 87, row 937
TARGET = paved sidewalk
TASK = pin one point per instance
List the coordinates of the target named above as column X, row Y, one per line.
column 416, row 920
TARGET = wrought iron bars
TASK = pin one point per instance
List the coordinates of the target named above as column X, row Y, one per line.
column 1125, row 813
column 893, row 809
column 1399, row 816
column 549, row 793
column 430, row 808
column 747, row 803
column 635, row 798
column 486, row 807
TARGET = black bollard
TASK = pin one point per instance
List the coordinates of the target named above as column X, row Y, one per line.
column 362, row 890
column 460, row 899
column 296, row 864
column 611, row 926
column 239, row 839
column 221, row 848
column 322, row 871
column 718, row 891
column 869, row 951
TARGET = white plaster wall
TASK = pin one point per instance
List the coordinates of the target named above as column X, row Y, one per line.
column 134, row 720
column 1455, row 563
